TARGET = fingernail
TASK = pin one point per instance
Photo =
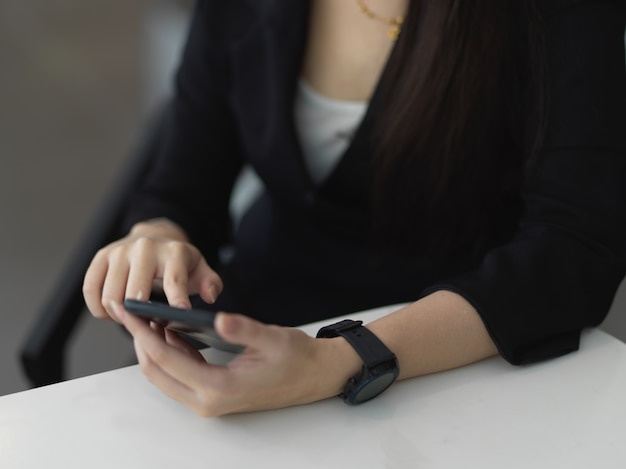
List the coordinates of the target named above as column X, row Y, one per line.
column 117, row 309
column 110, row 309
column 227, row 325
column 213, row 293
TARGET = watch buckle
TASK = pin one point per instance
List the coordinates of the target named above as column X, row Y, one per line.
column 346, row 325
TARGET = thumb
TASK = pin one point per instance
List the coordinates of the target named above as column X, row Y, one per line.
column 242, row 330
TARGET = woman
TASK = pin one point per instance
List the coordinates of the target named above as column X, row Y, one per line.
column 464, row 156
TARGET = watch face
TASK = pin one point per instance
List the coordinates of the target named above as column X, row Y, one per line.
column 374, row 386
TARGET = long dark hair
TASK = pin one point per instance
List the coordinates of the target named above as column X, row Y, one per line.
column 448, row 149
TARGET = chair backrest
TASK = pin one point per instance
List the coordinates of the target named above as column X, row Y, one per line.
column 42, row 353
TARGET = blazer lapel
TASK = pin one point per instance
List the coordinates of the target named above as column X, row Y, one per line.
column 351, row 181
column 265, row 67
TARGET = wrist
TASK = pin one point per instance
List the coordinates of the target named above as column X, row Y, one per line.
column 380, row 365
column 338, row 362
column 159, row 227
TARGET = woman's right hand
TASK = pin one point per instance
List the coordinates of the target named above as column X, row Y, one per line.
column 155, row 251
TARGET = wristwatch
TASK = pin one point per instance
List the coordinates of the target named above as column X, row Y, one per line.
column 380, row 366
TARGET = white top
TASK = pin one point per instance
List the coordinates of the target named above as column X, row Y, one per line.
column 325, row 127
column 569, row 412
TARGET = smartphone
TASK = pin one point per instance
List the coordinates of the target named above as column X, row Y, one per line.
column 194, row 323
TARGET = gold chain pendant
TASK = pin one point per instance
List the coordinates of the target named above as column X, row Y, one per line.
column 394, row 32
column 395, row 23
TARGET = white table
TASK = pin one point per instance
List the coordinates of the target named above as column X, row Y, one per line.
column 569, row 412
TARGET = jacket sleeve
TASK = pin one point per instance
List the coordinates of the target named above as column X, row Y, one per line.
column 560, row 272
column 198, row 152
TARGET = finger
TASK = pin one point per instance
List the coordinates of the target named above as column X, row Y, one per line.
column 172, row 361
column 175, row 277
column 166, row 383
column 142, row 270
column 158, row 329
column 240, row 329
column 175, row 340
column 206, row 282
column 93, row 284
column 185, row 272
column 115, row 281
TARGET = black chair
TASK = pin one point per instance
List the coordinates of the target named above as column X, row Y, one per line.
column 42, row 354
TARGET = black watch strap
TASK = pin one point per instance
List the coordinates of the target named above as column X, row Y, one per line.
column 380, row 366
column 369, row 347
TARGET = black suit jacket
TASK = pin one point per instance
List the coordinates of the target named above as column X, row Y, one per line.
column 302, row 252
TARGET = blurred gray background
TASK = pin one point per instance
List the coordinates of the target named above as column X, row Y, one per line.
column 78, row 80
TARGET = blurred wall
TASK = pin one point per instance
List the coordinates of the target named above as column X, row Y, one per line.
column 70, row 111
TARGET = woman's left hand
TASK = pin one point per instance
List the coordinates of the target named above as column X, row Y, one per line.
column 280, row 366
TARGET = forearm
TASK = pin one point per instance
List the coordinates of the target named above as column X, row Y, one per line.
column 438, row 332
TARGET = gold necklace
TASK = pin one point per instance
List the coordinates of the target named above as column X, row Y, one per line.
column 395, row 23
